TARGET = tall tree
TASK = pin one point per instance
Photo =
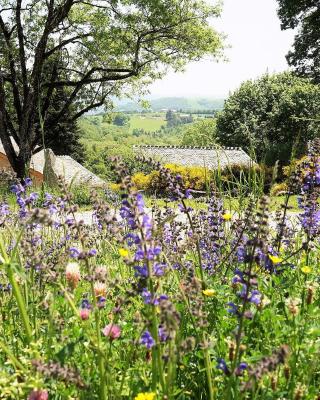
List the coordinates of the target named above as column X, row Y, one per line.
column 200, row 133
column 305, row 16
column 271, row 115
column 97, row 48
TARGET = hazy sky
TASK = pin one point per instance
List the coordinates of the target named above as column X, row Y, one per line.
column 257, row 45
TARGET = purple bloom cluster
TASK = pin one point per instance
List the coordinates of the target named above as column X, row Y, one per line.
column 22, row 197
column 147, row 340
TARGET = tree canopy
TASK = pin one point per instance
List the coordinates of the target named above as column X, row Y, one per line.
column 200, row 133
column 95, row 49
column 270, row 115
column 305, row 16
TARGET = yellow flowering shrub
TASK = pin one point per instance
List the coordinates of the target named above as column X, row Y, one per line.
column 141, row 181
column 195, row 178
column 278, row 189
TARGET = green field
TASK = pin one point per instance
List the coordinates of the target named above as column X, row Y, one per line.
column 148, row 122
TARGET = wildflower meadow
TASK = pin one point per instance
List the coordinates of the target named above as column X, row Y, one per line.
column 162, row 302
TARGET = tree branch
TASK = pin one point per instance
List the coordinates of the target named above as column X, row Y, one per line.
column 64, row 43
column 90, row 107
column 22, row 50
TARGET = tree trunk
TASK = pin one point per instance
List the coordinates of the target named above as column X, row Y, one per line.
column 20, row 167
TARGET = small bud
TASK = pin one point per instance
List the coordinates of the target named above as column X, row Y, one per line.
column 231, row 351
column 286, row 372
column 310, row 294
column 84, row 314
column 242, row 348
column 73, row 274
column 100, row 289
column 112, row 331
column 38, row 395
column 298, row 393
column 292, row 305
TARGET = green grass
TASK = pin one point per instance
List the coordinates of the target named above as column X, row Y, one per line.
column 148, row 122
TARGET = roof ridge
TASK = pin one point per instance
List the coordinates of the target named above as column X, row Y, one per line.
column 151, row 146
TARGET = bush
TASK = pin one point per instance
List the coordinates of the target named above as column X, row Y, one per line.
column 236, row 179
column 141, row 181
column 279, row 189
column 195, row 178
column 98, row 161
column 240, row 179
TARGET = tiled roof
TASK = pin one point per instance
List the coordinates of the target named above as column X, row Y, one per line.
column 208, row 157
column 66, row 166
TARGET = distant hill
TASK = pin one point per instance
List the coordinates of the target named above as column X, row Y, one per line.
column 173, row 103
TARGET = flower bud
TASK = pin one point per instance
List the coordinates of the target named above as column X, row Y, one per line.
column 100, row 289
column 38, row 395
column 84, row 314
column 112, row 331
column 73, row 274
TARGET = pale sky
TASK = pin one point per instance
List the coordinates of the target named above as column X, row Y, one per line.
column 257, row 45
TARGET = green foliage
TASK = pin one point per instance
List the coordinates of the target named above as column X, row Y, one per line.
column 303, row 15
column 200, row 133
column 121, row 119
column 174, row 119
column 98, row 161
column 240, row 180
column 62, row 135
column 272, row 115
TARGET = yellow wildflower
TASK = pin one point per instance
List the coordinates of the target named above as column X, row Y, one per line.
column 123, row 252
column 227, row 216
column 275, row 259
column 306, row 269
column 209, row 292
column 145, row 396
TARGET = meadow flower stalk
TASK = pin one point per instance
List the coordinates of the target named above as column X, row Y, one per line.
column 8, row 264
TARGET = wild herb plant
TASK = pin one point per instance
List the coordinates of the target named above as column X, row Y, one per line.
column 168, row 303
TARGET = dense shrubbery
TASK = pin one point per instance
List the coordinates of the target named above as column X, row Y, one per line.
column 234, row 179
column 181, row 305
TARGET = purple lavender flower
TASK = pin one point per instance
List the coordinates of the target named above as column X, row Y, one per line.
column 146, row 295
column 158, row 269
column 86, row 304
column 233, row 308
column 92, row 252
column 27, row 182
column 139, row 255
column 222, row 365
column 255, row 297
column 74, row 252
column 4, row 209
column 147, row 340
column 160, row 298
column 163, row 336
column 241, row 368
column 141, row 271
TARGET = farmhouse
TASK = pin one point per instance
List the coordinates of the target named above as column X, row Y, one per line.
column 46, row 166
column 207, row 157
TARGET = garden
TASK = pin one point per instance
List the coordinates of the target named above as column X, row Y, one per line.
column 168, row 303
